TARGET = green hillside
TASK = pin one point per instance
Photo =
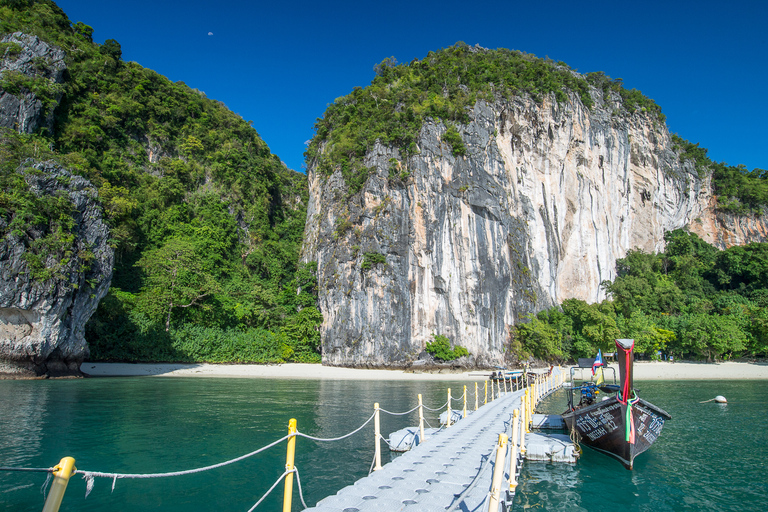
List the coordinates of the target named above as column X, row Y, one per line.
column 206, row 222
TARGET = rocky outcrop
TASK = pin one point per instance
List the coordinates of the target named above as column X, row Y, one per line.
column 42, row 322
column 30, row 73
column 545, row 200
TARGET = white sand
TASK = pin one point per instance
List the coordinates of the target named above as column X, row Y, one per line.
column 643, row 371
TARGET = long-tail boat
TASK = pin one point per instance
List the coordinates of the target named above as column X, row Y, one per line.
column 620, row 424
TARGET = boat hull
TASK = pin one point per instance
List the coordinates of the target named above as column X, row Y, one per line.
column 602, row 426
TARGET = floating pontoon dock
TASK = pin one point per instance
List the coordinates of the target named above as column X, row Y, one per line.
column 452, row 469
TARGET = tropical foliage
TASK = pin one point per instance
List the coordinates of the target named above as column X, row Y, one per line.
column 443, row 86
column 690, row 301
column 441, row 349
column 738, row 190
column 206, row 223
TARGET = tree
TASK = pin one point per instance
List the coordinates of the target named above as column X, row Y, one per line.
column 84, row 30
column 538, row 338
column 112, row 48
column 176, row 278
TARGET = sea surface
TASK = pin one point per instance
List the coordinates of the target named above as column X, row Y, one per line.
column 709, row 456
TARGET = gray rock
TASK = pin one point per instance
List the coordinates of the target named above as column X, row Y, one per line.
column 23, row 110
column 547, row 198
column 42, row 323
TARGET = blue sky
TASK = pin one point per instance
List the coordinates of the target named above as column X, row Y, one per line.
column 280, row 63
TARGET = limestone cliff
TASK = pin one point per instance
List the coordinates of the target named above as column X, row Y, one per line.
column 546, row 198
column 42, row 321
column 31, row 72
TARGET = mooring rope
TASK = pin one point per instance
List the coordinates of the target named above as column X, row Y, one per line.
column 298, row 482
column 270, row 490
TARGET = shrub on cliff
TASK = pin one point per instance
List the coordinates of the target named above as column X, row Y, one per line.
column 441, row 349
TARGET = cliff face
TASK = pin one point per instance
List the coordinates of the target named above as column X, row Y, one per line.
column 545, row 200
column 30, row 71
column 42, row 322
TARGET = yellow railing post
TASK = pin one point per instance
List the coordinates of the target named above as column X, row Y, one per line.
column 498, row 473
column 513, row 451
column 61, row 475
column 421, row 420
column 448, row 419
column 377, row 434
column 485, row 400
column 289, row 459
column 505, row 385
column 522, row 430
column 465, row 402
column 476, row 397
column 528, row 400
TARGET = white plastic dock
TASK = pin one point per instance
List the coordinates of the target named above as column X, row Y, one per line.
column 451, row 470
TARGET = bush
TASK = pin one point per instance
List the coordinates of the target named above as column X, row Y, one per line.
column 441, row 349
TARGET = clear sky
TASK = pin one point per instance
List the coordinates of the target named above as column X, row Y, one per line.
column 280, row 63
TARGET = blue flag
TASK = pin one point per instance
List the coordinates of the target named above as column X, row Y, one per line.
column 598, row 361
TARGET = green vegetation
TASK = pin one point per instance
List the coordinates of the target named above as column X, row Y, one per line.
column 690, row 301
column 443, row 86
column 738, row 190
column 441, row 349
column 373, row 258
column 632, row 99
column 206, row 223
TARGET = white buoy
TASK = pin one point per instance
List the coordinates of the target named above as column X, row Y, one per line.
column 721, row 399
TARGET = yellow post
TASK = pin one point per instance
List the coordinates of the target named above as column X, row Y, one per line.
column 448, row 419
column 61, row 475
column 465, row 402
column 498, row 473
column 289, row 457
column 513, row 451
column 377, row 434
column 421, row 421
column 475, row 395
column 522, row 429
column 527, row 410
column 485, row 400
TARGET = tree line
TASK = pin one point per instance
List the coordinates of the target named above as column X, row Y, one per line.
column 690, row 301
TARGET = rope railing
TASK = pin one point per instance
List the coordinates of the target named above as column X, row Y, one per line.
column 438, row 409
column 65, row 471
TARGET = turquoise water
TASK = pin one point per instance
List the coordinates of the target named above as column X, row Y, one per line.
column 709, row 457
column 148, row 425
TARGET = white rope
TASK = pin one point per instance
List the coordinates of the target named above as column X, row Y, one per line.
column 298, row 482
column 438, row 409
column 399, row 413
column 270, row 490
column 301, row 434
column 90, row 475
column 385, row 440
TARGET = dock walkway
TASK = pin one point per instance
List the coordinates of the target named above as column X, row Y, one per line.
column 451, row 470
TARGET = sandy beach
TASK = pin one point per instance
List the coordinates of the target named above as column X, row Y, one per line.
column 643, row 371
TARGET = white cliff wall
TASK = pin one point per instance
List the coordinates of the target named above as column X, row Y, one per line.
column 545, row 201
